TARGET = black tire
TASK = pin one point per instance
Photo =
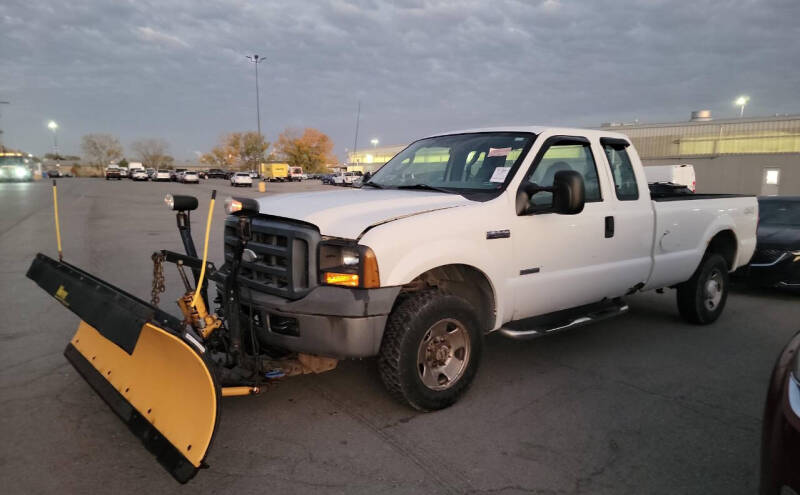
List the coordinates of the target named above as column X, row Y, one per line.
column 412, row 320
column 695, row 301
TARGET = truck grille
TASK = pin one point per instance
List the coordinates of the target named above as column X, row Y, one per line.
column 766, row 256
column 286, row 264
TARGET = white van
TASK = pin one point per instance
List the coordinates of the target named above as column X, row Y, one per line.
column 682, row 174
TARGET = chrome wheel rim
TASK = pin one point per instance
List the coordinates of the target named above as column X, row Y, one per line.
column 713, row 290
column 443, row 354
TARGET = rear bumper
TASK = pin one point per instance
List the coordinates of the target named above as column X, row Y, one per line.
column 329, row 321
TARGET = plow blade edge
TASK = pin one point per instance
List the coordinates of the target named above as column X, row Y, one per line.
column 152, row 374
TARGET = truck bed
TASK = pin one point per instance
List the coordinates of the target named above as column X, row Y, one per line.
column 686, row 223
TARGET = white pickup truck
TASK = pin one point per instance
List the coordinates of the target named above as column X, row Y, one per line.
column 522, row 230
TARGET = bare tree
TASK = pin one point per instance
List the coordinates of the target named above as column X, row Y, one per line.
column 152, row 152
column 100, row 149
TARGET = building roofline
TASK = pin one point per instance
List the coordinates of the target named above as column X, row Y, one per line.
column 739, row 120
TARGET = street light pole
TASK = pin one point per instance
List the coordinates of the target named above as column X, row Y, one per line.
column 355, row 139
column 741, row 102
column 255, row 59
column 1, row 130
column 53, row 127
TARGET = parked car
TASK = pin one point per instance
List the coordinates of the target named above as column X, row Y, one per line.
column 241, row 179
column 217, row 173
column 174, row 175
column 139, row 174
column 780, row 429
column 526, row 231
column 133, row 167
column 776, row 262
column 113, row 173
column 345, row 178
column 296, row 174
column 150, row 173
column 254, row 175
column 162, row 175
column 327, row 179
column 681, row 174
column 123, row 172
column 190, row 177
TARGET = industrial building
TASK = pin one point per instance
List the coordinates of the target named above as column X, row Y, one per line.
column 756, row 155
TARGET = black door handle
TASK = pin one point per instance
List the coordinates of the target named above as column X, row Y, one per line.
column 609, row 227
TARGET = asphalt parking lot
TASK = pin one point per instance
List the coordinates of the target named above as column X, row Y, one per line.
column 644, row 403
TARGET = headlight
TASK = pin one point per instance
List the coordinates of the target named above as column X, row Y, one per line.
column 21, row 172
column 796, row 255
column 348, row 265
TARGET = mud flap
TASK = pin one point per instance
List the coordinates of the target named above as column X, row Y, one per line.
column 151, row 373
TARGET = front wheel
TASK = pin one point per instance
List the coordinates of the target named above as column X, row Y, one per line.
column 702, row 298
column 431, row 350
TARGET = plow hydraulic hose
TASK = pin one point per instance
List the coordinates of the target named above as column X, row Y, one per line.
column 200, row 281
column 55, row 214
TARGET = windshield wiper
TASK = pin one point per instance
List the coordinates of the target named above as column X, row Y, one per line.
column 372, row 184
column 426, row 187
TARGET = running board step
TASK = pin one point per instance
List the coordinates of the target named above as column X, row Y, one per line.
column 576, row 321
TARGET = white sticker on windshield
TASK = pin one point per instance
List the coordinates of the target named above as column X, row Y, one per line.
column 500, row 174
column 499, row 151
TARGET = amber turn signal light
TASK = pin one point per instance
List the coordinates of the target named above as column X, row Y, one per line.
column 346, row 279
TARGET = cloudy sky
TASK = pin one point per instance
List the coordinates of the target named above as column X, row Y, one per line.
column 177, row 69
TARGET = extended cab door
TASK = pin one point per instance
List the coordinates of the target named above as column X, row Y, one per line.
column 563, row 261
column 631, row 212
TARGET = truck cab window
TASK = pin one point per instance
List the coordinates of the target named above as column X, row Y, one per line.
column 558, row 157
column 625, row 184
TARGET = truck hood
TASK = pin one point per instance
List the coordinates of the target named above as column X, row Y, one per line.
column 348, row 213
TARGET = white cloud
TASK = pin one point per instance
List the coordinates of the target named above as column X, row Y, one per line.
column 147, row 33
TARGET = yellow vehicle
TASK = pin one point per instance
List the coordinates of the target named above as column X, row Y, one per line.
column 275, row 171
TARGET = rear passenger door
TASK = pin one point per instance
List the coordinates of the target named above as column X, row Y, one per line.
column 631, row 214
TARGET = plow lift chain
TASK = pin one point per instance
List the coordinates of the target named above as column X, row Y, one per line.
column 158, row 278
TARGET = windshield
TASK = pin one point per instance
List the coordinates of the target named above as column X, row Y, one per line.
column 12, row 160
column 779, row 213
column 477, row 162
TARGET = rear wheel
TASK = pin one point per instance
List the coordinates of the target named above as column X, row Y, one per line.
column 430, row 350
column 702, row 298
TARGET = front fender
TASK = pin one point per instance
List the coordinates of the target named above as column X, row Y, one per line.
column 399, row 267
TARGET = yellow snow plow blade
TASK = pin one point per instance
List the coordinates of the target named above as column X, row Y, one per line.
column 154, row 375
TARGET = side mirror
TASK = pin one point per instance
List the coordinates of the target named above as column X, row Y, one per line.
column 569, row 192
